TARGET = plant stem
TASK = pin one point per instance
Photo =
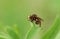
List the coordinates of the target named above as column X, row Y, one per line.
column 31, row 31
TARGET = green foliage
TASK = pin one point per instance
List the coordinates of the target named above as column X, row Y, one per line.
column 14, row 23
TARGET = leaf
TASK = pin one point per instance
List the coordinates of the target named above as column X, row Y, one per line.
column 52, row 32
column 12, row 34
column 31, row 31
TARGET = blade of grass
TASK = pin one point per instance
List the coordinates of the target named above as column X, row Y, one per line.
column 31, row 31
column 12, row 34
column 52, row 32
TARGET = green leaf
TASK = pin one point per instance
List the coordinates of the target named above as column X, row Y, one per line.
column 12, row 34
column 52, row 32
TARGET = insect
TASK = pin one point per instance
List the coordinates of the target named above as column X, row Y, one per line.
column 36, row 19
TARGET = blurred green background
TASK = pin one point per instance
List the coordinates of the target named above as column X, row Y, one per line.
column 14, row 17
